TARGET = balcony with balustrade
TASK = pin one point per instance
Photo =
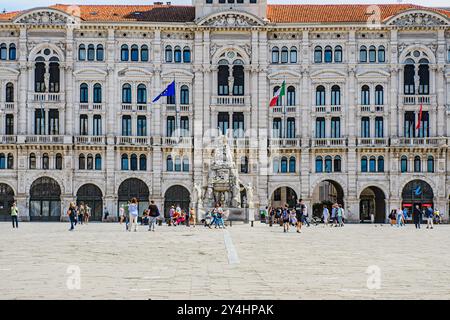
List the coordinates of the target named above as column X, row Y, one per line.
column 372, row 142
column 328, row 109
column 285, row 109
column 329, row 142
column 241, row 103
column 177, row 142
column 89, row 140
column 420, row 142
column 46, row 97
column 284, row 143
column 48, row 139
column 133, row 140
column 182, row 108
column 91, row 107
column 135, row 107
column 367, row 109
column 7, row 106
column 8, row 139
column 416, row 100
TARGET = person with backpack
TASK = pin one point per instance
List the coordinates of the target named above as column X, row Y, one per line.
column 153, row 213
column 340, row 214
column 298, row 215
column 429, row 215
column 285, row 216
column 417, row 216
column 304, row 213
column 14, row 216
column 72, row 213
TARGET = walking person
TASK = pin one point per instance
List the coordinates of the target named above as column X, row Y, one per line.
column 429, row 215
column 304, row 213
column 106, row 214
column 153, row 213
column 325, row 215
column 72, row 213
column 372, row 217
column 192, row 217
column 340, row 214
column 271, row 216
column 14, row 216
column 81, row 211
column 400, row 221
column 333, row 215
column 298, row 216
column 87, row 214
column 417, row 216
column 133, row 214
column 171, row 214
column 285, row 218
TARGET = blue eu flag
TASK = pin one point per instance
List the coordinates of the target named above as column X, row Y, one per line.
column 168, row 92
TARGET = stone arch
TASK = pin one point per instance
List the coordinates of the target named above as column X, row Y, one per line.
column 383, row 188
column 48, row 16
column 184, row 184
column 45, row 199
column 414, row 17
column 7, row 197
column 407, row 180
column 33, row 53
column 336, row 191
column 79, row 184
column 133, row 187
column 244, row 55
column 419, row 47
column 285, row 194
column 230, row 19
column 90, row 194
column 372, row 201
column 62, row 185
column 177, row 195
column 138, row 176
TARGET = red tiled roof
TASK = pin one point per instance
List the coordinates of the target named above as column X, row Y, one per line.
column 296, row 13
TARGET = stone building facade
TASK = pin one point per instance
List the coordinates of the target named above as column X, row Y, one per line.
column 364, row 121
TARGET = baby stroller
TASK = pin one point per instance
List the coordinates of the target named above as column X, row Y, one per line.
column 207, row 220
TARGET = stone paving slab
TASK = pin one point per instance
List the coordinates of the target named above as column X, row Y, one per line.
column 192, row 263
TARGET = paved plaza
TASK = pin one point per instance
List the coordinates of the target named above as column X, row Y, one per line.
column 41, row 260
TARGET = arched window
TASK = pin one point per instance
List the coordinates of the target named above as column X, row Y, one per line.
column 168, row 54
column 142, row 162
column 142, row 94
column 380, row 164
column 222, row 82
column 177, row 164
column 424, row 77
column 184, row 95
column 84, row 93
column 126, row 93
column 169, row 163
column 244, row 164
column 372, row 54
column 430, row 164
column 9, row 97
column 12, row 51
column 409, row 74
column 58, row 161
column 319, row 164
column 45, row 161
column 134, row 53
column 90, row 162
column 10, row 161
column 293, row 55
column 381, row 54
column 328, row 57
column 144, row 53
column 284, row 165
column 404, row 164
column 238, row 75
column 54, row 74
column 2, row 161
column 186, row 164
column 39, row 75
column 417, row 164
column 3, row 51
column 318, row 54
column 124, row 162
column 365, row 95
column 98, row 162
column 291, row 96
column 82, row 52
column 97, row 93
column 372, row 164
column 328, row 164
column 82, row 162
column 124, row 53
column 337, row 164
column 363, row 54
column 336, row 95
column 279, row 100
column 292, row 164
column 284, row 55
column 100, row 53
column 32, row 163
column 177, row 54
column 133, row 162
column 320, row 96
column 91, row 52
column 338, row 54
column 275, row 55
column 379, row 95
column 186, row 55
column 364, row 164
column 276, row 165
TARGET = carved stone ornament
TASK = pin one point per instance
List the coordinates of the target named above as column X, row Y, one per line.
column 419, row 19
column 46, row 18
column 231, row 20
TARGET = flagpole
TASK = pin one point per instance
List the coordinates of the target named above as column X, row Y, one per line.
column 176, row 104
column 284, row 109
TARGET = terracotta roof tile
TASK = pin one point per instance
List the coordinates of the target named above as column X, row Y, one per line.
column 296, row 13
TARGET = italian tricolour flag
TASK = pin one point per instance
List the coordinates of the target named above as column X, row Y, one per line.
column 278, row 95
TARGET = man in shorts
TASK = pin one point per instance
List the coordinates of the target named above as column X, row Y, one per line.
column 298, row 215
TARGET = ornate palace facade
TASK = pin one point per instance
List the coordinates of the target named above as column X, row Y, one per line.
column 365, row 119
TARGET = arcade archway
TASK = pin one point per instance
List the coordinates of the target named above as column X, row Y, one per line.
column 328, row 191
column 45, row 200
column 91, row 195
column 133, row 188
column 6, row 201
column 282, row 196
column 176, row 196
column 372, row 200
column 417, row 192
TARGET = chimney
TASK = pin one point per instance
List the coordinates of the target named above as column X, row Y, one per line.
column 156, row 3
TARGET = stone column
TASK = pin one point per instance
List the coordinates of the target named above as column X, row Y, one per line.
column 69, row 85
column 22, row 83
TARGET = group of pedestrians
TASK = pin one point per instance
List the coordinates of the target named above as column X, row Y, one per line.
column 178, row 216
column 287, row 217
column 214, row 217
column 399, row 216
column 78, row 214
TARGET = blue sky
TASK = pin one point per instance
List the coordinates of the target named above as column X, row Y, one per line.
column 26, row 4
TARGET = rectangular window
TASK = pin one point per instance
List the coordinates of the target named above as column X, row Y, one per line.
column 126, row 125
column 335, row 127
column 184, row 126
column 97, row 125
column 379, row 128
column 9, row 124
column 424, row 130
column 409, row 125
column 290, row 134
column 320, row 128
column 223, row 122
column 141, row 126
column 276, row 128
column 238, row 125
column 83, row 125
column 365, row 127
column 39, row 121
column 53, row 122
column 170, row 126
